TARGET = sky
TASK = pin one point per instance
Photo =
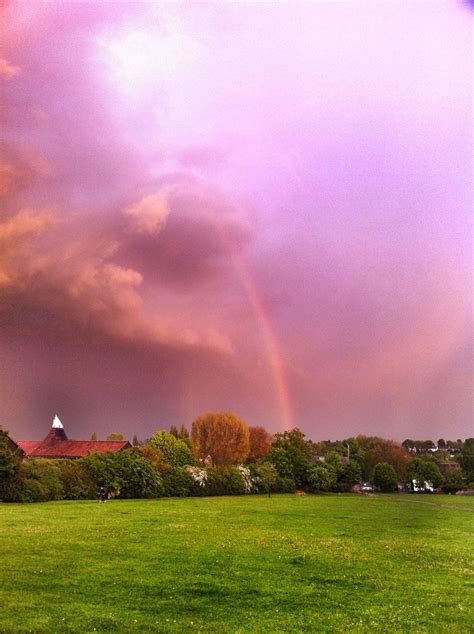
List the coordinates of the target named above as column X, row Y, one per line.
column 256, row 207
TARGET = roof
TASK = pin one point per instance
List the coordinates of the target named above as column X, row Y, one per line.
column 13, row 446
column 71, row 448
column 28, row 445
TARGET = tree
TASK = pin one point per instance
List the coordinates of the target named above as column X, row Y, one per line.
column 348, row 475
column 94, row 435
column 377, row 450
column 424, row 470
column 466, row 460
column 298, row 452
column 183, row 433
column 321, row 477
column 441, row 443
column 408, row 444
column 135, row 442
column 223, row 436
column 115, row 436
column 453, row 481
column 260, row 443
column 174, row 431
column 175, row 452
column 385, row 476
column 9, row 470
column 266, row 476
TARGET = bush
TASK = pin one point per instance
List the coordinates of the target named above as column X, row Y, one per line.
column 224, row 481
column 265, row 476
column 285, row 485
column 10, row 483
column 321, row 478
column 348, row 475
column 385, row 476
column 126, row 473
column 424, row 470
column 76, row 480
column 40, row 481
column 453, row 481
column 175, row 452
column 177, row 482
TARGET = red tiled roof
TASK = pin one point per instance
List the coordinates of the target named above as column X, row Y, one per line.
column 71, row 448
column 28, row 445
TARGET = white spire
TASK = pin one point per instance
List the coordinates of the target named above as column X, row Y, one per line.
column 57, row 424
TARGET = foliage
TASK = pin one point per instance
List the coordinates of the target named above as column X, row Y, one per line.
column 265, row 476
column 260, row 443
column 348, row 475
column 175, row 451
column 285, row 485
column 224, row 480
column 466, row 459
column 177, row 482
column 76, row 480
column 375, row 450
column 385, row 476
column 223, row 436
column 453, row 481
column 125, row 473
column 291, row 455
column 424, row 470
column 41, row 481
column 94, row 435
column 321, row 477
column 115, row 436
column 9, row 471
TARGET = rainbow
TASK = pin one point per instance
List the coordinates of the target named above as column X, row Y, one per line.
column 269, row 338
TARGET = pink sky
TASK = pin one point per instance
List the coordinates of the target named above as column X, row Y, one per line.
column 263, row 208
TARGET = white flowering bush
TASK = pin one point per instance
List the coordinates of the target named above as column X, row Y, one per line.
column 249, row 482
column 198, row 475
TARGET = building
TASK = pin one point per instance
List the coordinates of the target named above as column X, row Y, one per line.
column 12, row 445
column 57, row 445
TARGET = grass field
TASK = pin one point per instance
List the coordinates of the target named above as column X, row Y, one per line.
column 239, row 564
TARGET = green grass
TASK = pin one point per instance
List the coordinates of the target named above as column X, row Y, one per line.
column 326, row 563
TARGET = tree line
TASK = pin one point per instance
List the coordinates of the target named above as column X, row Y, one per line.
column 224, row 456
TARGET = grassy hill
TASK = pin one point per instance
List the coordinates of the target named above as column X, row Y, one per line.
column 239, row 564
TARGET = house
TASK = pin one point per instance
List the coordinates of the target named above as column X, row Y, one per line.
column 13, row 446
column 449, row 467
column 57, row 445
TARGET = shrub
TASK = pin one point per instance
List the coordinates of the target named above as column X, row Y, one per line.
column 285, row 485
column 265, row 476
column 348, row 475
column 126, row 473
column 175, row 452
column 41, row 481
column 224, row 481
column 424, row 470
column 76, row 480
column 10, row 483
column 321, row 478
column 385, row 476
column 453, row 481
column 177, row 482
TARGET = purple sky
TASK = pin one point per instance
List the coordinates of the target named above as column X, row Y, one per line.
column 264, row 208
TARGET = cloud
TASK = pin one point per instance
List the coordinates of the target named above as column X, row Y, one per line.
column 149, row 215
column 8, row 70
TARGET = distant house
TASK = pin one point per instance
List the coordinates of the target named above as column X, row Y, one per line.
column 448, row 467
column 14, row 447
column 57, row 445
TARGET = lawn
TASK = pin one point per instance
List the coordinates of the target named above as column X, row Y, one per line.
column 239, row 564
